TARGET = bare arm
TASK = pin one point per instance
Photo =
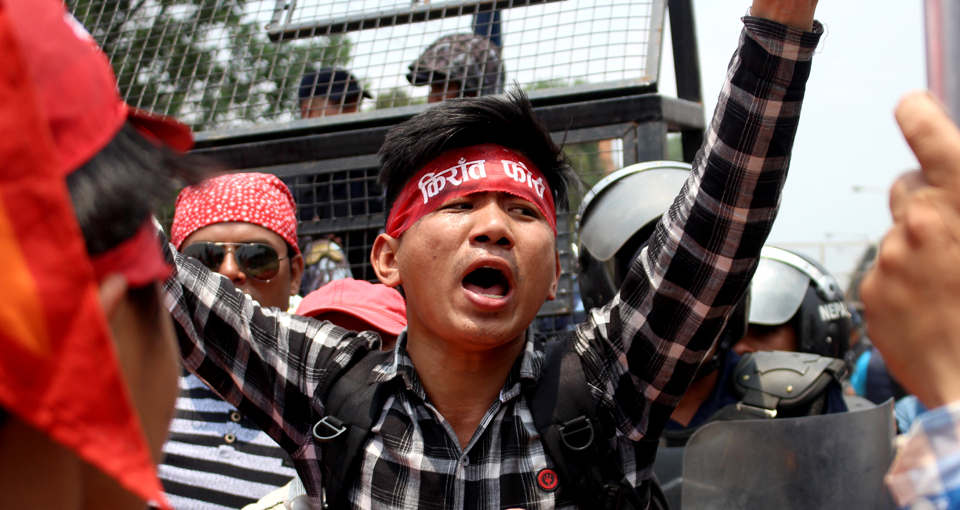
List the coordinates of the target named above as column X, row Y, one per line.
column 792, row 13
column 912, row 299
column 912, row 296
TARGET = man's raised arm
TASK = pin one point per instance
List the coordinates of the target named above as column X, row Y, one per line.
column 265, row 362
column 652, row 337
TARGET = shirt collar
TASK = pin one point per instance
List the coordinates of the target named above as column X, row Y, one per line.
column 528, row 366
column 401, row 367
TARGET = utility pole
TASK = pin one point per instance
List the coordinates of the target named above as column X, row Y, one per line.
column 943, row 52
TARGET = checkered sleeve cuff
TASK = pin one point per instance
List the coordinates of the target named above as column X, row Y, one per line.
column 783, row 41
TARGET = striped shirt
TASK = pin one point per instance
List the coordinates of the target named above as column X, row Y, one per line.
column 215, row 458
column 639, row 352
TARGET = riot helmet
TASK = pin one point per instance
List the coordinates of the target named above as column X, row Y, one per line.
column 616, row 219
column 792, row 288
column 614, row 224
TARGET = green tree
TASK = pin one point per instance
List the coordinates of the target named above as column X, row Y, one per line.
column 207, row 62
column 552, row 84
column 396, row 96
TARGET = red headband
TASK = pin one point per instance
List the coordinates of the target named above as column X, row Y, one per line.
column 76, row 86
column 460, row 172
column 138, row 259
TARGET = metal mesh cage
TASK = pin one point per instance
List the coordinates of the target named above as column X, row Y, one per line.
column 227, row 63
column 262, row 65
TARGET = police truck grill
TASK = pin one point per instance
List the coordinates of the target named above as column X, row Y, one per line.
column 233, row 68
column 226, row 63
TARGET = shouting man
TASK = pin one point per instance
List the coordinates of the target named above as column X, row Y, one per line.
column 473, row 188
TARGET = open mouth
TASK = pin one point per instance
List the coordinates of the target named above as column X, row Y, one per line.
column 487, row 282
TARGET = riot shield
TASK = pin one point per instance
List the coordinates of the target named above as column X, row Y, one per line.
column 669, row 470
column 834, row 461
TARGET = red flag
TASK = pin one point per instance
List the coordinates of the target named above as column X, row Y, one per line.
column 59, row 370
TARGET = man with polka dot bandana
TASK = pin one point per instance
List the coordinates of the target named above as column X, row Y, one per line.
column 244, row 227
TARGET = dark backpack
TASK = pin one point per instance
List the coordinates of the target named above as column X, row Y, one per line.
column 563, row 411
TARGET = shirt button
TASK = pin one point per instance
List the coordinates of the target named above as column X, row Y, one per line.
column 235, row 417
column 229, row 438
column 465, row 461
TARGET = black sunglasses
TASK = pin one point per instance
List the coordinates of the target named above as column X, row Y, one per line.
column 257, row 260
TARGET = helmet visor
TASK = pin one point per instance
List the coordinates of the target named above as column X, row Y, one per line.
column 625, row 205
column 776, row 292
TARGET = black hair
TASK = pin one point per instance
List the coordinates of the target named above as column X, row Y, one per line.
column 119, row 188
column 507, row 120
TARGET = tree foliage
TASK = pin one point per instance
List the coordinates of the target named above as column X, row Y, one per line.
column 396, row 96
column 207, row 62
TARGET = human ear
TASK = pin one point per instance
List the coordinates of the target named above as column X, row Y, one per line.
column 556, row 278
column 113, row 289
column 296, row 273
column 383, row 258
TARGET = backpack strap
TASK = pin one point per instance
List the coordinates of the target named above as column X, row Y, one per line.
column 573, row 435
column 344, row 428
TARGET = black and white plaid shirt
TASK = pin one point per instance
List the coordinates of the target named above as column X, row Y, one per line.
column 639, row 352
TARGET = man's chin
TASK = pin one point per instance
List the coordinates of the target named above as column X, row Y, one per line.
column 492, row 329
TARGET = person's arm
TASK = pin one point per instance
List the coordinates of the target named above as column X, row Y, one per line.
column 642, row 350
column 265, row 362
column 912, row 294
column 796, row 14
column 912, row 305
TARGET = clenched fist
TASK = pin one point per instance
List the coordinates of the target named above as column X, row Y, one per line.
column 792, row 13
column 912, row 296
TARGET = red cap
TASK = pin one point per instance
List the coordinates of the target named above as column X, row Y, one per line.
column 59, row 370
column 76, row 85
column 379, row 306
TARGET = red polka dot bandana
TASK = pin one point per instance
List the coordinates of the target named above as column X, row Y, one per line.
column 460, row 172
column 261, row 199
